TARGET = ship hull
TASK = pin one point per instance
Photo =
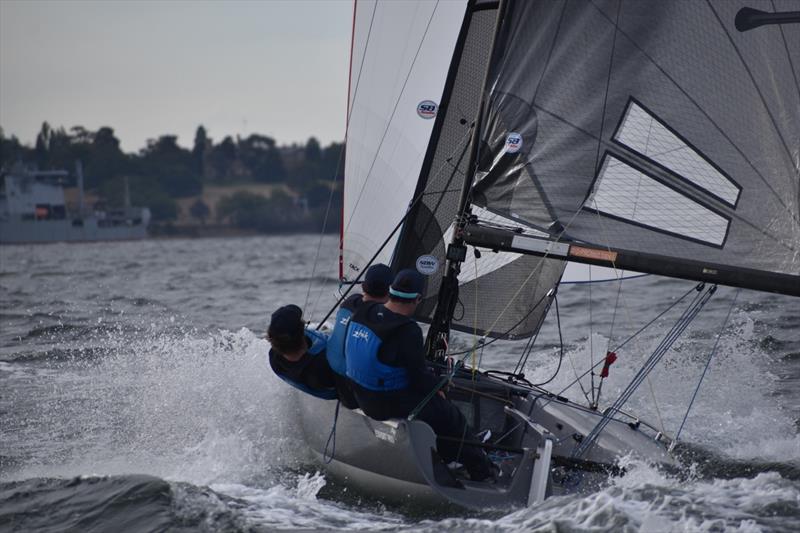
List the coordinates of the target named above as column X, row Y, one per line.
column 383, row 459
column 43, row 231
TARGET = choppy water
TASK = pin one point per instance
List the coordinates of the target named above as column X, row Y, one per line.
column 135, row 395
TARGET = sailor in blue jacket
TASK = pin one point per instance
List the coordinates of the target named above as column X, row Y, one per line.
column 375, row 288
column 298, row 354
column 389, row 376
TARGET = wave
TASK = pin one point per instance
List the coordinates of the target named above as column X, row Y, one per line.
column 114, row 503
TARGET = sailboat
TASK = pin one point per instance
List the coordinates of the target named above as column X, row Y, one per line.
column 492, row 144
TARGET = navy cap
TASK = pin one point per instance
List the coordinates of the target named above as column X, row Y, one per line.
column 377, row 280
column 288, row 320
column 408, row 284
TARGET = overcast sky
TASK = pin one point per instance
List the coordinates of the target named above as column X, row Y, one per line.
column 148, row 68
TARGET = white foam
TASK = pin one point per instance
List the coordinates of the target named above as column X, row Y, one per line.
column 294, row 504
column 197, row 408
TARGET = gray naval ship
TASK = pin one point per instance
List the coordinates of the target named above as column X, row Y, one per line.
column 33, row 209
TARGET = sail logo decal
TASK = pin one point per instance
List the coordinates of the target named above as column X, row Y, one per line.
column 427, row 264
column 642, row 132
column 513, row 143
column 427, row 109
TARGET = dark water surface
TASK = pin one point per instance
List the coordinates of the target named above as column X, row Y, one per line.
column 135, row 396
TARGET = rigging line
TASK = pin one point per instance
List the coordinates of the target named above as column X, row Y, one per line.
column 402, row 220
column 683, row 322
column 512, row 328
column 662, row 313
column 778, row 197
column 475, row 324
column 550, row 51
column 539, row 267
column 331, row 437
column 619, row 274
column 341, row 152
column 463, row 149
column 618, row 348
column 574, row 382
column 705, row 369
column 611, row 335
column 608, row 84
column 443, row 191
column 614, row 315
column 788, row 55
column 321, row 235
column 394, row 110
column 591, row 338
column 686, row 317
column 797, row 85
column 523, row 356
column 369, row 263
column 465, row 353
column 655, row 405
column 561, row 347
column 752, row 80
column 578, row 379
column 528, row 349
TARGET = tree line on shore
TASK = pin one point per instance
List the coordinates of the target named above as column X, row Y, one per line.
column 163, row 172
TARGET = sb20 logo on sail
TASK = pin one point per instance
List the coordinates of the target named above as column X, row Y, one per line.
column 427, row 109
column 513, row 143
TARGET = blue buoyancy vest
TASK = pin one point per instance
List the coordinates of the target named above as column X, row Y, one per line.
column 338, row 335
column 364, row 339
column 319, row 342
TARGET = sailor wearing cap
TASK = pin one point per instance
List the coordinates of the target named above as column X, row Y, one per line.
column 298, row 354
column 389, row 376
column 375, row 286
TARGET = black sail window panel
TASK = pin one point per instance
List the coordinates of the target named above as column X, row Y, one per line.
column 641, row 131
column 626, row 193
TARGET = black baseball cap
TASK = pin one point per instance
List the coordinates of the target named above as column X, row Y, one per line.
column 377, row 280
column 408, row 284
column 287, row 320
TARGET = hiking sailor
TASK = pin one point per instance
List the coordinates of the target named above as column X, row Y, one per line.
column 298, row 354
column 385, row 361
column 376, row 289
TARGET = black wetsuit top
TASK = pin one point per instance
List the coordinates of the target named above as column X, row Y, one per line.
column 312, row 371
column 404, row 347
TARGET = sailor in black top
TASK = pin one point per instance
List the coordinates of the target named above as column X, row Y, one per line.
column 298, row 355
column 389, row 375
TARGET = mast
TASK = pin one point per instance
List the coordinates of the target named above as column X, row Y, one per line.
column 79, row 174
column 439, row 332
